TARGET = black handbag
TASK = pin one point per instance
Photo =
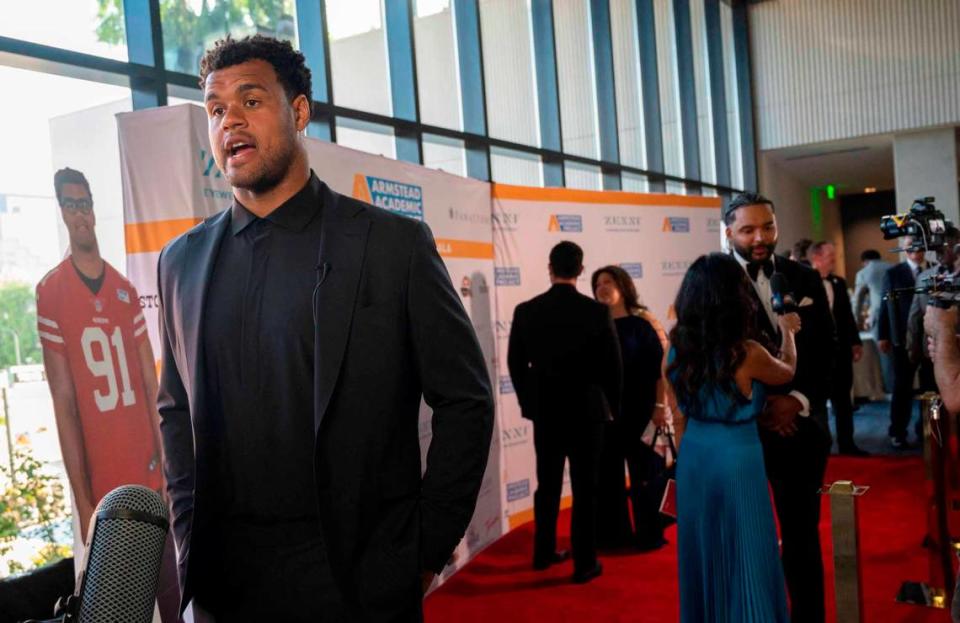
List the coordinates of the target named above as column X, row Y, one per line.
column 659, row 475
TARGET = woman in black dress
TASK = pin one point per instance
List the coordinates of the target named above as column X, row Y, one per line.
column 643, row 399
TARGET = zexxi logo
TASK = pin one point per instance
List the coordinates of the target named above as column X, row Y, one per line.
column 674, row 268
column 208, row 165
column 676, row 224
column 397, row 197
column 565, row 223
column 515, row 435
column 622, row 223
column 505, row 221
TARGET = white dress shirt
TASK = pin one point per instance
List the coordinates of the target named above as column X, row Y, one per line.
column 764, row 291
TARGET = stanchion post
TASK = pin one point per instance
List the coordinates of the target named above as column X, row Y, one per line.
column 937, row 592
column 847, row 577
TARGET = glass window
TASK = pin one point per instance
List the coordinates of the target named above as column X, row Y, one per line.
column 731, row 96
column 635, row 183
column 181, row 95
column 669, row 87
column 78, row 25
column 515, row 167
column 358, row 55
column 438, row 81
column 372, row 138
column 676, row 188
column 191, row 28
column 50, row 130
column 445, row 154
column 575, row 78
column 582, row 176
column 701, row 79
column 627, row 77
column 507, row 42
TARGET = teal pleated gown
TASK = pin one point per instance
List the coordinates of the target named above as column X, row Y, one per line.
column 729, row 561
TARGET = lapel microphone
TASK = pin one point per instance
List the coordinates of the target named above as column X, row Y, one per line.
column 323, row 269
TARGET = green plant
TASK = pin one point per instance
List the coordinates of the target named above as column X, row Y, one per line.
column 18, row 315
column 190, row 27
column 32, row 500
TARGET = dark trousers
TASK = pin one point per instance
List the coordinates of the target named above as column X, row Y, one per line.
column 580, row 442
column 168, row 588
column 613, row 516
column 276, row 573
column 622, row 444
column 840, row 388
column 901, row 404
column 795, row 467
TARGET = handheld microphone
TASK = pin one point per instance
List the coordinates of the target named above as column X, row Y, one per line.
column 124, row 548
column 782, row 300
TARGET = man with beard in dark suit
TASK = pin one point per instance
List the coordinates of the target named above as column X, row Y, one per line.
column 793, row 426
column 823, row 258
column 299, row 331
column 564, row 360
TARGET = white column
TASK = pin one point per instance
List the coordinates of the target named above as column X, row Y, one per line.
column 925, row 164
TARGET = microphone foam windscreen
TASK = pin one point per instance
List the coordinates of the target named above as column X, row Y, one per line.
column 123, row 557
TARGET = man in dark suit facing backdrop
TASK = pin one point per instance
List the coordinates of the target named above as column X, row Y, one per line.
column 564, row 361
column 793, row 426
column 823, row 258
column 299, row 332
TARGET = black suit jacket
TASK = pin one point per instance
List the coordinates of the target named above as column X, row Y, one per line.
column 816, row 341
column 564, row 357
column 848, row 335
column 894, row 327
column 389, row 328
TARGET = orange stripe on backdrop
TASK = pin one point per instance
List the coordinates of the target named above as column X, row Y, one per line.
column 150, row 237
column 608, row 197
column 465, row 249
column 518, row 519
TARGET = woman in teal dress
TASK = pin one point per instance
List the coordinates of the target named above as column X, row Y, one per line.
column 729, row 561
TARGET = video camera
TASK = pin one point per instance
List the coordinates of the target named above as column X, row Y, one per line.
column 924, row 222
column 930, row 231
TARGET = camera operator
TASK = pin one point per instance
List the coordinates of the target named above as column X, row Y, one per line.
column 942, row 327
column 948, row 267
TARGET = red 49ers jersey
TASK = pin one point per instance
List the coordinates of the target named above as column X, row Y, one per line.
column 100, row 335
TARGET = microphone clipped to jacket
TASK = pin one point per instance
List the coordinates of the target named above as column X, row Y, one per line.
column 125, row 545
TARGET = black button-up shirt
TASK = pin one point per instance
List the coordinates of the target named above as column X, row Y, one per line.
column 259, row 354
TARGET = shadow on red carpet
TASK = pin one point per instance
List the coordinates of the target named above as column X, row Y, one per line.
column 499, row 586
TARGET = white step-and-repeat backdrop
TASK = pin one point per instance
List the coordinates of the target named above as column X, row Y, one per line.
column 494, row 239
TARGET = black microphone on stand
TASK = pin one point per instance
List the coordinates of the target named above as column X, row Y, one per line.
column 782, row 300
column 122, row 568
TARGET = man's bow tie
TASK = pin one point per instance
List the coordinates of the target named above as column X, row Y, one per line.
column 753, row 269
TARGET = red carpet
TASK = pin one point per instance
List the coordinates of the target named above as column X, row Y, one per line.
column 499, row 586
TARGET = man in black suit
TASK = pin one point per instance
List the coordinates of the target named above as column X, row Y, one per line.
column 564, row 361
column 849, row 348
column 299, row 332
column 793, row 426
column 892, row 331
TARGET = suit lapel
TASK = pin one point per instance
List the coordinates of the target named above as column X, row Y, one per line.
column 201, row 254
column 343, row 241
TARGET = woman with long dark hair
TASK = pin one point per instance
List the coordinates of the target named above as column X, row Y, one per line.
column 642, row 399
column 727, row 541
